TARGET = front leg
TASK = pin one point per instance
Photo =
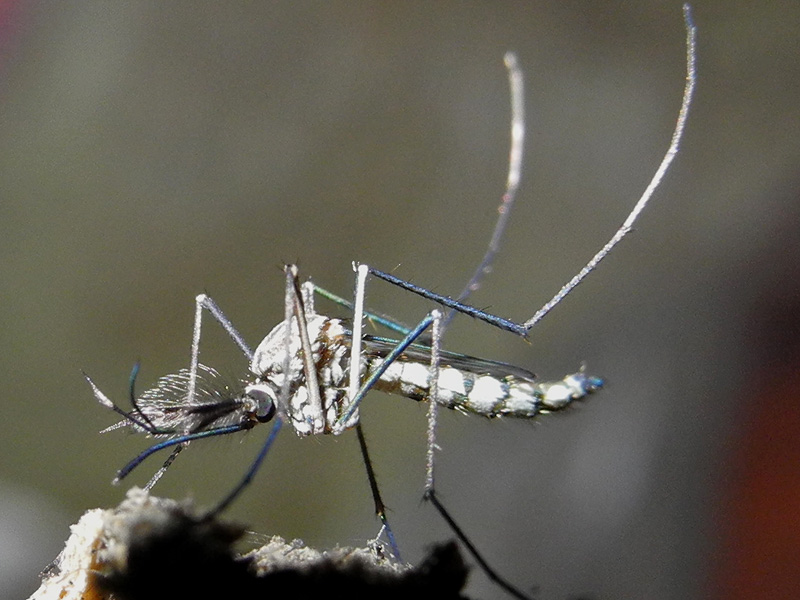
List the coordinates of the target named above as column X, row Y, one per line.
column 203, row 301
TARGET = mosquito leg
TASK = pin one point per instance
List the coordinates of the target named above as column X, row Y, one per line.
column 358, row 322
column 181, row 440
column 448, row 302
column 376, row 373
column 352, row 392
column 203, row 301
column 523, row 328
column 294, row 301
column 431, row 496
column 157, row 475
column 433, row 405
column 380, row 507
column 672, row 151
column 248, row 477
column 380, row 319
column 517, row 93
column 430, row 489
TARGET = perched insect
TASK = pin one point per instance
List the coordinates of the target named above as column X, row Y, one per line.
column 313, row 371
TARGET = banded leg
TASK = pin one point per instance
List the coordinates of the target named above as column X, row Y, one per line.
column 436, row 321
column 356, row 394
column 202, row 302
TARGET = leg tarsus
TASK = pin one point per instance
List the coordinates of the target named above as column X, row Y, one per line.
column 380, row 507
column 430, row 496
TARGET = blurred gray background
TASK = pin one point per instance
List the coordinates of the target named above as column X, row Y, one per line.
column 150, row 151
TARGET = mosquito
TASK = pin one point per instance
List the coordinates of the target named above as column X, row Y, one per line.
column 313, row 371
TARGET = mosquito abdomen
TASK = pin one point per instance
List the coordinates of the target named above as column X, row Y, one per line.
column 486, row 395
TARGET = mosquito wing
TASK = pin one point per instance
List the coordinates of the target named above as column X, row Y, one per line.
column 380, row 347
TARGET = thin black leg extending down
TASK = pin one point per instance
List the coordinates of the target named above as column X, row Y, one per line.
column 380, row 507
column 430, row 495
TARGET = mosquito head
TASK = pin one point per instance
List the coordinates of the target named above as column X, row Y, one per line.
column 264, row 400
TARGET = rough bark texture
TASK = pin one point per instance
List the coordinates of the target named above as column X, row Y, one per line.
column 157, row 548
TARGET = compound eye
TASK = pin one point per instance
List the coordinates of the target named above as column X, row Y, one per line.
column 264, row 399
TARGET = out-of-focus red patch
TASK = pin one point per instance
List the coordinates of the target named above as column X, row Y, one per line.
column 759, row 522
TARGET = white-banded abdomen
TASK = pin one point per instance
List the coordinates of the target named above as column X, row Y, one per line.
column 489, row 395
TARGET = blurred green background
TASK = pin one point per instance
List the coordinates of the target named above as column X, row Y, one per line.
column 150, row 151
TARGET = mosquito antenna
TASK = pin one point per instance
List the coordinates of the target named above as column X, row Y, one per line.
column 517, row 93
column 691, row 34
